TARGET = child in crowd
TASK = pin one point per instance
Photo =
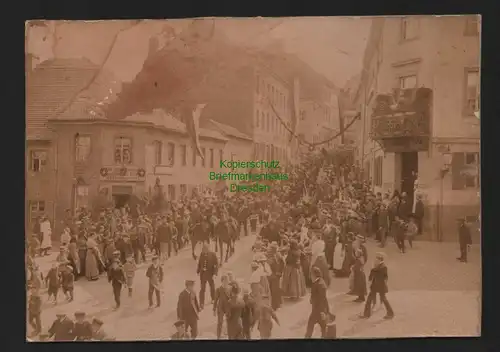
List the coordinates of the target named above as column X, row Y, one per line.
column 129, row 268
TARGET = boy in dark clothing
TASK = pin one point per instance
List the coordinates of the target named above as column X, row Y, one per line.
column 116, row 277
column 67, row 281
column 82, row 330
column 53, row 282
column 378, row 278
column 398, row 233
column 35, row 311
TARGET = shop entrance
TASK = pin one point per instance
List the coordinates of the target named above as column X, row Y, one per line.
column 409, row 172
column 121, row 195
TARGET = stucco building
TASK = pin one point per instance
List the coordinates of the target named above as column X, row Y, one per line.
column 439, row 156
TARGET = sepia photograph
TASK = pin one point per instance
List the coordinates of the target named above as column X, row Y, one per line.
column 253, row 178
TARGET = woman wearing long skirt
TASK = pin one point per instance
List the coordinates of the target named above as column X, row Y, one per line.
column 318, row 260
column 81, row 244
column 293, row 285
column 46, row 231
column 262, row 271
column 92, row 259
column 358, row 274
column 338, row 258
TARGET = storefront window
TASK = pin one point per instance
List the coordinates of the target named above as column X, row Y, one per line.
column 81, row 196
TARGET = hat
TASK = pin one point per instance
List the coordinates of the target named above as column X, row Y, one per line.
column 80, row 314
column 116, row 253
column 360, row 237
column 154, row 257
column 189, row 282
column 259, row 257
column 254, row 265
column 179, row 323
column 60, row 314
column 97, row 321
column 380, row 255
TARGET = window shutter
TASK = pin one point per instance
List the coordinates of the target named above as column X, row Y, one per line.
column 457, row 163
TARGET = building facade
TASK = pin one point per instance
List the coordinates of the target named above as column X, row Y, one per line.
column 114, row 161
column 439, row 156
column 50, row 86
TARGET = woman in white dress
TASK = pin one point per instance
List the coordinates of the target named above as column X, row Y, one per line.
column 46, row 231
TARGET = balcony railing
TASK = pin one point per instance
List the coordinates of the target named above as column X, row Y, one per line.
column 405, row 124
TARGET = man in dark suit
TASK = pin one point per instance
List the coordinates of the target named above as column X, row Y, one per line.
column 221, row 303
column 207, row 269
column 378, row 278
column 320, row 309
column 464, row 238
column 243, row 215
column 188, row 308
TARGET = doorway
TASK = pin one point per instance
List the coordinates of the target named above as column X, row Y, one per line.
column 409, row 173
column 121, row 200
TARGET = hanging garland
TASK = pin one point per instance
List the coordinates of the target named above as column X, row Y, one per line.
column 104, row 172
column 141, row 172
column 302, row 141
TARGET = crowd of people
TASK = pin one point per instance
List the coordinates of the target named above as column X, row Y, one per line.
column 310, row 226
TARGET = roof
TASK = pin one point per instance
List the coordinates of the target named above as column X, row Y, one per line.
column 49, row 88
column 158, row 118
column 229, row 130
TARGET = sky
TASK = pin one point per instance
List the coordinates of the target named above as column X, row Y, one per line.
column 333, row 46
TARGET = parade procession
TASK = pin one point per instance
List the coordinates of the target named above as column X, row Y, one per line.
column 143, row 221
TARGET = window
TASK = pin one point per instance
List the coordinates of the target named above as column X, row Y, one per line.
column 406, row 82
column 38, row 160
column 170, row 154
column 471, row 26
column 82, row 148
column 367, row 171
column 204, row 155
column 211, row 151
column 171, row 192
column 81, row 196
column 409, row 28
column 158, row 151
column 471, row 91
column 195, row 156
column 36, row 209
column 257, row 118
column 184, row 155
column 123, row 150
column 268, row 122
column 465, row 171
column 263, row 120
column 377, row 172
column 183, row 189
column 221, row 155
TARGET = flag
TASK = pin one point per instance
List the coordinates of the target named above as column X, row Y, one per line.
column 192, row 120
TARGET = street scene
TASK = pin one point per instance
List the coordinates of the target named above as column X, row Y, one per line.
column 260, row 178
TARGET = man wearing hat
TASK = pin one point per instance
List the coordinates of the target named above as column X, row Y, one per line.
column 188, row 308
column 319, row 302
column 464, row 239
column 155, row 276
column 277, row 266
column 67, row 280
column 208, row 266
column 82, row 329
column 62, row 328
column 116, row 276
column 181, row 333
